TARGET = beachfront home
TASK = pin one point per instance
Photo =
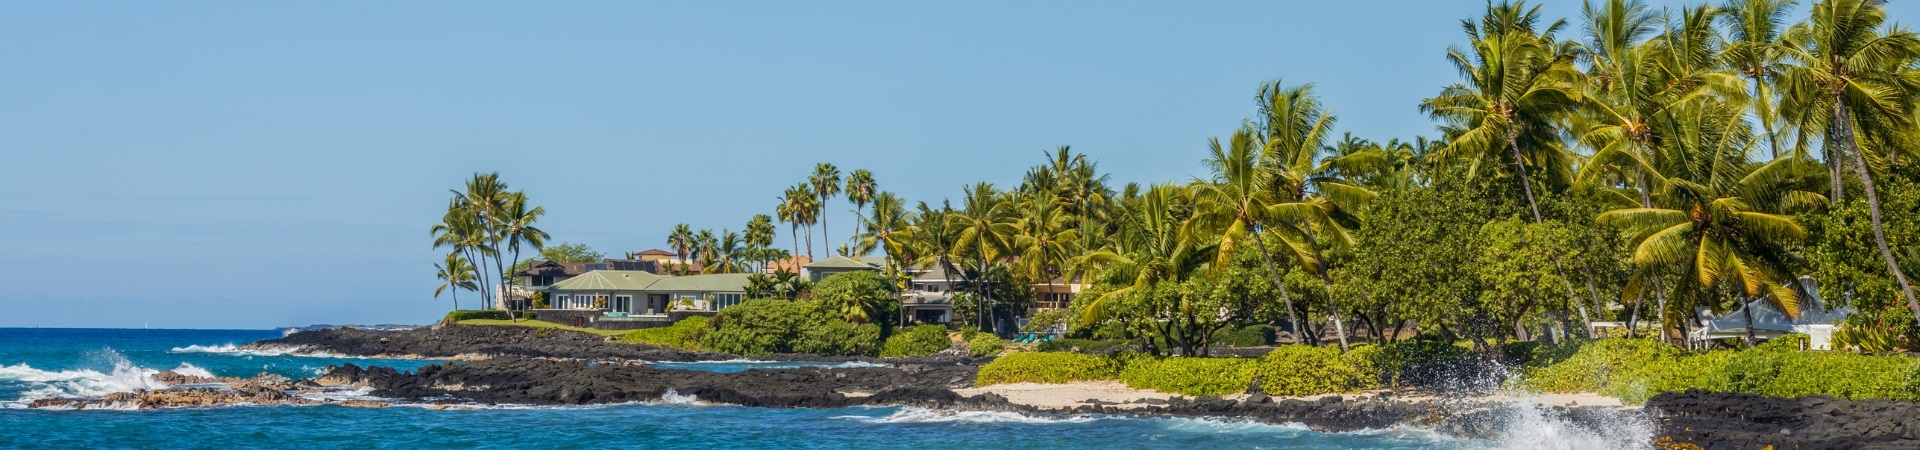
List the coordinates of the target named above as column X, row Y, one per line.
column 929, row 295
column 1055, row 294
column 635, row 292
column 836, row 264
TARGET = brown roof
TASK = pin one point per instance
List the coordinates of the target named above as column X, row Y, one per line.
column 792, row 264
column 655, row 252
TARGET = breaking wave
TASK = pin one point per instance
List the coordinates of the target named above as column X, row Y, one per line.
column 1527, row 425
column 123, row 377
column 923, row 415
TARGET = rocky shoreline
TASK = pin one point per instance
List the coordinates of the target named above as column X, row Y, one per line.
column 512, row 365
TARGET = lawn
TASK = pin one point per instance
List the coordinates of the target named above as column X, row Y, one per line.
column 541, row 324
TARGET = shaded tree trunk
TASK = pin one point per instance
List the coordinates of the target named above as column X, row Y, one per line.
column 1845, row 127
column 1293, row 319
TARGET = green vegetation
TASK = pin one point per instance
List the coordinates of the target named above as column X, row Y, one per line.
column 985, row 345
column 1635, row 370
column 762, row 327
column 536, row 324
column 1080, row 345
column 859, row 296
column 1304, row 370
column 1190, row 376
column 1415, row 362
column 471, row 314
column 916, row 341
column 1047, row 367
column 485, row 227
column 684, row 335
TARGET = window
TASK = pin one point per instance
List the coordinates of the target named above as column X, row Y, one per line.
column 623, row 303
column 725, row 300
column 563, row 301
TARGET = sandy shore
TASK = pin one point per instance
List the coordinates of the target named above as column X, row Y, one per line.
column 1069, row 395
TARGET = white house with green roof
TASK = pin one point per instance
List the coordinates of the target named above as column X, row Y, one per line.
column 644, row 293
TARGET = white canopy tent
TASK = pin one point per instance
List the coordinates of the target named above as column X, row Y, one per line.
column 1815, row 321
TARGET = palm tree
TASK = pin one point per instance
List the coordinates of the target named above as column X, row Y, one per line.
column 886, row 229
column 931, row 236
column 1148, row 250
column 520, row 230
column 456, row 274
column 1754, row 48
column 859, row 191
column 1518, row 83
column 759, row 233
column 728, row 254
column 706, row 247
column 681, row 241
column 1043, row 241
column 1719, row 218
column 461, row 230
column 485, row 197
column 1231, row 205
column 826, row 183
column 985, row 228
column 1851, row 81
column 789, row 211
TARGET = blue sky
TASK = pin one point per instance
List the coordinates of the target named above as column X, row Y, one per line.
column 260, row 164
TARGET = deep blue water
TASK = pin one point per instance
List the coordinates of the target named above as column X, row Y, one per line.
column 36, row 363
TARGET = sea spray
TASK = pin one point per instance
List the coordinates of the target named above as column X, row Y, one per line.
column 123, row 376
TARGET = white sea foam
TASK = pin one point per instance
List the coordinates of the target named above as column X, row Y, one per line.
column 923, row 415
column 123, row 377
column 191, row 370
column 1526, row 425
column 1226, row 425
column 676, row 398
column 235, row 350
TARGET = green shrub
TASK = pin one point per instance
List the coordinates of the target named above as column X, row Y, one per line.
column 839, row 338
column 1190, row 376
column 760, row 327
column 917, row 341
column 1306, row 370
column 489, row 314
column 684, row 335
column 1417, row 362
column 1634, row 370
column 1080, row 345
column 1778, row 369
column 1034, row 367
column 1045, row 320
column 985, row 345
column 1259, row 335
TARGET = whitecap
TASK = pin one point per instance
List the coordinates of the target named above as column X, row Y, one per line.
column 1230, row 425
column 123, row 377
column 674, row 397
column 1526, row 425
column 191, row 370
column 923, row 415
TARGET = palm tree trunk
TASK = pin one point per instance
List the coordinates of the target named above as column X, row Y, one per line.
column 1838, row 139
column 794, row 231
column 1526, row 183
column 1746, row 314
column 1873, row 209
column 1766, row 119
column 810, row 240
column 1293, row 319
column 1339, row 329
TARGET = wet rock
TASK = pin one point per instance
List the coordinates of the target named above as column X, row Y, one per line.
column 1723, row 420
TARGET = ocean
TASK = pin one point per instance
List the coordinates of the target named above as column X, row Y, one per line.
column 40, row 363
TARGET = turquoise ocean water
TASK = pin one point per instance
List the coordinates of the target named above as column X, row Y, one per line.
column 37, row 363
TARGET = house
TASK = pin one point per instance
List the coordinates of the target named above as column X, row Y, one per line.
column 541, row 274
column 929, row 295
column 792, row 265
column 1055, row 294
column 636, row 292
column 819, row 270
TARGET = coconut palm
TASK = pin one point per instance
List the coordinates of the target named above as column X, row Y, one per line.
column 859, row 191
column 1043, row 239
column 1518, row 83
column 518, row 221
column 985, row 228
column 456, row 274
column 759, row 234
column 1149, row 250
column 886, row 230
column 1850, row 79
column 1755, row 50
column 461, row 230
column 729, row 252
column 681, row 241
column 932, row 239
column 1232, row 204
column 826, row 183
column 1722, row 220
column 705, row 248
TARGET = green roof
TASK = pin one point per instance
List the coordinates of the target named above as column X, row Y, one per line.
column 609, row 280
column 840, row 262
column 719, row 282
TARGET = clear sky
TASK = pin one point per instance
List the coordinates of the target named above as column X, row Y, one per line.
column 259, row 164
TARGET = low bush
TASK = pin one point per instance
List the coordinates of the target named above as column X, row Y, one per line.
column 1258, row 335
column 1190, row 376
column 840, row 338
column 917, row 341
column 1634, row 370
column 985, row 345
column 1039, row 367
column 1409, row 363
column 766, row 326
column 684, row 335
column 490, row 314
column 1306, row 370
column 1080, row 345
column 1048, row 320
